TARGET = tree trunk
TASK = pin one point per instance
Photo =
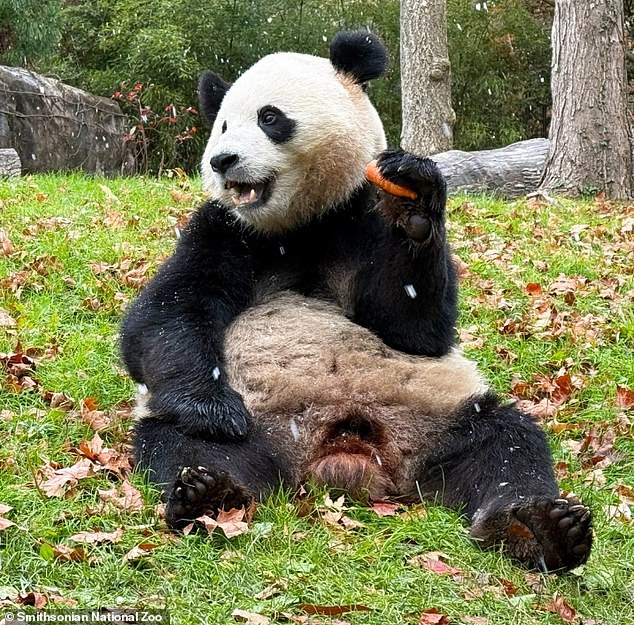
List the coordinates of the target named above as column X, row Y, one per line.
column 425, row 77
column 589, row 133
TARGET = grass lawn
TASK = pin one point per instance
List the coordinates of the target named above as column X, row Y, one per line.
column 547, row 309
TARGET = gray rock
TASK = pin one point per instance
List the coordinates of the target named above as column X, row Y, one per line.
column 56, row 127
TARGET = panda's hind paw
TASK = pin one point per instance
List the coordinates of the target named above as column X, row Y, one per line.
column 553, row 535
column 198, row 491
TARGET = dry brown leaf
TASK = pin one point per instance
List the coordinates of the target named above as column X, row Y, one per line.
column 250, row 618
column 385, row 508
column 4, row 523
column 432, row 561
column 621, row 513
column 6, row 247
column 96, row 538
column 34, row 599
column 130, row 500
column 91, row 449
column 271, row 590
column 433, row 617
column 624, row 398
column 510, row 589
column 231, row 523
column 6, row 320
column 559, row 606
column 70, row 554
column 333, row 610
column 140, row 551
column 60, row 480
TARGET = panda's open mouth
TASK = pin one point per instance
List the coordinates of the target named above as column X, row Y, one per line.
column 250, row 194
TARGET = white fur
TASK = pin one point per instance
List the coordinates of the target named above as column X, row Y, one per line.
column 337, row 133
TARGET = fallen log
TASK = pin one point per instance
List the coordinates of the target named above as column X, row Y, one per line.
column 10, row 164
column 511, row 171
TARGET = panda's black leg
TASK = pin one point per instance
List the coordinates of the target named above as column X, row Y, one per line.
column 496, row 467
column 199, row 476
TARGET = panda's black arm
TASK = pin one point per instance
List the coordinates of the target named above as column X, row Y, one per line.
column 172, row 335
column 405, row 287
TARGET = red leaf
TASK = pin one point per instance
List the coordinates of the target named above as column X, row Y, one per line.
column 534, row 289
column 559, row 606
column 510, row 589
column 624, row 398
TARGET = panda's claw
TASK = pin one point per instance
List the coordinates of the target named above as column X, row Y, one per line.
column 202, row 491
column 550, row 534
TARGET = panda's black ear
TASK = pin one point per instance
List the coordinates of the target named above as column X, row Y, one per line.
column 358, row 53
column 211, row 91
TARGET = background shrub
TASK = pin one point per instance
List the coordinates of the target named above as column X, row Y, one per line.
column 499, row 51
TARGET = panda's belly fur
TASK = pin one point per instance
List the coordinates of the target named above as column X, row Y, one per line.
column 347, row 410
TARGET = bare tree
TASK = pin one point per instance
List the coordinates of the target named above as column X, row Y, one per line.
column 589, row 132
column 425, row 77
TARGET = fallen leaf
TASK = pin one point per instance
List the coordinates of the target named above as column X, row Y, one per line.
column 510, row 589
column 475, row 620
column 621, row 513
column 91, row 449
column 250, row 618
column 140, row 551
column 333, row 610
column 385, row 508
column 35, row 599
column 624, row 398
column 433, row 617
column 6, row 320
column 6, row 247
column 130, row 500
column 110, row 196
column 431, row 561
column 534, row 289
column 60, row 480
column 96, row 538
column 231, row 523
column 4, row 523
column 271, row 590
column 559, row 606
column 70, row 554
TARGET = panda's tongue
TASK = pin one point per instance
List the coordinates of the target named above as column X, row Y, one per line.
column 248, row 197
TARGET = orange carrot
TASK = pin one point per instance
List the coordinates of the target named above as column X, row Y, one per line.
column 373, row 174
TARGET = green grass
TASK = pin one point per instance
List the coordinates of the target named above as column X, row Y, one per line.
column 75, row 241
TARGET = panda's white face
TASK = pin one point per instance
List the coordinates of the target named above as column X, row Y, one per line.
column 291, row 139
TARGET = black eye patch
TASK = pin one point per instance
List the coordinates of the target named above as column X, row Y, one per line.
column 275, row 125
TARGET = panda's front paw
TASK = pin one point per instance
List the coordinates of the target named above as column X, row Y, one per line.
column 419, row 217
column 222, row 416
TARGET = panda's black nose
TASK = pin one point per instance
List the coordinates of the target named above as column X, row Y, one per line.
column 223, row 162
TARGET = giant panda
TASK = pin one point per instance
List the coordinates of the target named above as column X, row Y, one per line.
column 303, row 329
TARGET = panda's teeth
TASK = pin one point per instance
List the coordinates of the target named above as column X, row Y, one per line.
column 253, row 196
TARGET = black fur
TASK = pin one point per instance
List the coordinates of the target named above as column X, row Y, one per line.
column 359, row 54
column 172, row 334
column 211, row 91
column 276, row 125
